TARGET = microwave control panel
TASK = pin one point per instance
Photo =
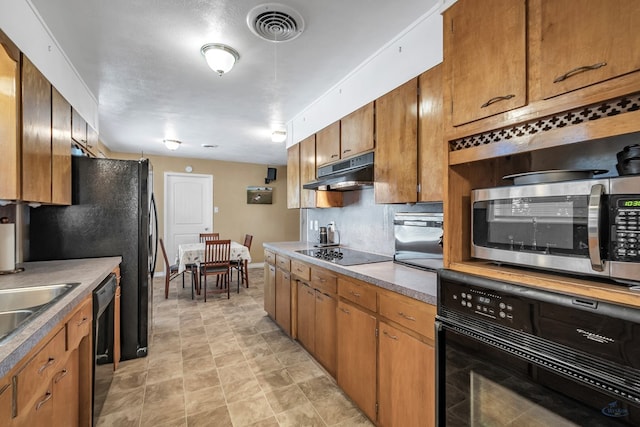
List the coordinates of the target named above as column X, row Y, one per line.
column 625, row 242
column 489, row 305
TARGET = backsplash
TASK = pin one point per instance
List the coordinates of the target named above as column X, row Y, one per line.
column 362, row 223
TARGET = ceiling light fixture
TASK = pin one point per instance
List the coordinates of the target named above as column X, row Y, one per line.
column 279, row 136
column 172, row 144
column 220, row 57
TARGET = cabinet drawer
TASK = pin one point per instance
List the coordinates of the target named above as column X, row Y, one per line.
column 79, row 326
column 38, row 372
column 283, row 262
column 270, row 257
column 324, row 281
column 301, row 270
column 412, row 314
column 358, row 292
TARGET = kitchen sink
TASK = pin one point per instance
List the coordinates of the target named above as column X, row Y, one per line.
column 11, row 320
column 18, row 306
column 36, row 296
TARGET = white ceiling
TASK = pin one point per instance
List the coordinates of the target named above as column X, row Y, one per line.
column 141, row 59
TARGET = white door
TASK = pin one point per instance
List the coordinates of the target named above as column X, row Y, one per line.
column 188, row 209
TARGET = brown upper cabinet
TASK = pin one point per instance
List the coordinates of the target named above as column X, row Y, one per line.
column 485, row 47
column 9, row 119
column 36, row 134
column 396, row 164
column 92, row 140
column 60, row 149
column 431, row 147
column 293, row 177
column 357, row 132
column 312, row 198
column 78, row 128
column 328, row 144
column 584, row 42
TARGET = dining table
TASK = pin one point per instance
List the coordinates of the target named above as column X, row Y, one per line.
column 193, row 253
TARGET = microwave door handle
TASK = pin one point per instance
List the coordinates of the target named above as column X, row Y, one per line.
column 593, row 226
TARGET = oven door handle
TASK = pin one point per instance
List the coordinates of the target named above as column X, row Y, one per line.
column 593, row 226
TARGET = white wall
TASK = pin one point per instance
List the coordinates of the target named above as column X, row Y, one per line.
column 20, row 21
column 415, row 50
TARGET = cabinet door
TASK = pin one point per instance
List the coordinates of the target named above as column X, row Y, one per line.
column 325, row 344
column 283, row 300
column 306, row 316
column 78, row 128
column 406, row 377
column 586, row 42
column 396, row 164
column 92, row 140
column 66, row 393
column 293, row 177
column 431, row 146
column 356, row 132
column 5, row 401
column 36, row 134
column 307, row 171
column 270, row 290
column 9, row 113
column 60, row 149
column 485, row 48
column 328, row 144
column 356, row 356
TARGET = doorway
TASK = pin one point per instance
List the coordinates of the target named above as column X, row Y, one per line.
column 188, row 209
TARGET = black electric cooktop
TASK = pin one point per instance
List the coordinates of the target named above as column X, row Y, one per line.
column 344, row 256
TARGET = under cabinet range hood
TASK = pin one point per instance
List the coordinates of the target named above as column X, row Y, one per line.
column 352, row 174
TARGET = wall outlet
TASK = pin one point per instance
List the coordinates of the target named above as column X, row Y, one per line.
column 215, row 209
column 315, row 225
column 311, row 225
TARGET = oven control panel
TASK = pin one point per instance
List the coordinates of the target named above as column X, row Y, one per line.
column 625, row 245
column 490, row 305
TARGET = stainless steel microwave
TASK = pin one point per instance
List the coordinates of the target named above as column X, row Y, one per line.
column 585, row 227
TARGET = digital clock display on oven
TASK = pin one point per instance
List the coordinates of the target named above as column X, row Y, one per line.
column 629, row 203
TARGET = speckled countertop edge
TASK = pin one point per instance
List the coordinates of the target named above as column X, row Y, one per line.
column 89, row 273
column 412, row 282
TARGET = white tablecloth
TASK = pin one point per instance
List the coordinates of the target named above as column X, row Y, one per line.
column 193, row 253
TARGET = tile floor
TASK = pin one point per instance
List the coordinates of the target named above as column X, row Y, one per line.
column 223, row 363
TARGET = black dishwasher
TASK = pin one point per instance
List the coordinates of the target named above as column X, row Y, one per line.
column 103, row 321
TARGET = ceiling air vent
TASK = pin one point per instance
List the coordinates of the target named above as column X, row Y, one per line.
column 275, row 22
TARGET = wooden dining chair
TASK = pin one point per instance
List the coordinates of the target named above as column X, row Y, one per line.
column 241, row 264
column 209, row 236
column 170, row 271
column 217, row 254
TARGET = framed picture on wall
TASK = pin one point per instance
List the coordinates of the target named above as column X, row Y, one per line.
column 259, row 195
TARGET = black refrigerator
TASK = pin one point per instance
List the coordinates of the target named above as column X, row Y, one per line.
column 113, row 213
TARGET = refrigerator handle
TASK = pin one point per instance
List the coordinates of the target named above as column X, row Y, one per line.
column 154, row 213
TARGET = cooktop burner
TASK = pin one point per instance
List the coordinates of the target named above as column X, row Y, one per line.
column 343, row 256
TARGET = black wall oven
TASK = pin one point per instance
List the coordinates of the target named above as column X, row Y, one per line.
column 509, row 355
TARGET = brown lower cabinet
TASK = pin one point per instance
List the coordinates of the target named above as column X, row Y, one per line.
column 270, row 290
column 51, row 386
column 356, row 342
column 283, row 300
column 406, row 394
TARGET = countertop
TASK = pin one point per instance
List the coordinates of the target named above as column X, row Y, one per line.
column 89, row 273
column 412, row 282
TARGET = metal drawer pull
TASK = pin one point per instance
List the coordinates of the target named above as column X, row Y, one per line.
column 355, row 294
column 393, row 337
column 47, row 397
column 413, row 319
column 334, row 155
column 60, row 375
column 347, row 150
column 344, row 310
column 84, row 320
column 50, row 362
column 579, row 70
column 496, row 99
